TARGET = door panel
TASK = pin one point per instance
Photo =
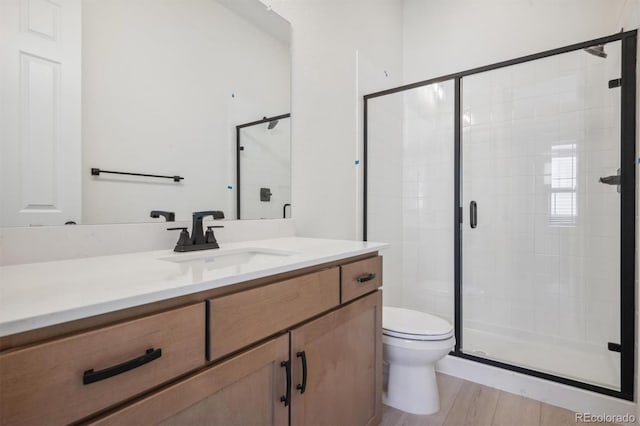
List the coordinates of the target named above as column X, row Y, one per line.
column 344, row 366
column 40, row 126
column 229, row 406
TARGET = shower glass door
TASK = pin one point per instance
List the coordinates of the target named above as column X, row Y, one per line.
column 540, row 231
column 411, row 194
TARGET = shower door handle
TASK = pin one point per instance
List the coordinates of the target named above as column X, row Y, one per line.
column 473, row 214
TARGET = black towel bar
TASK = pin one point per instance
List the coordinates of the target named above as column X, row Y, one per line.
column 96, row 172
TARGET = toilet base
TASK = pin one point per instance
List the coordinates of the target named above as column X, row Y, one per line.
column 412, row 389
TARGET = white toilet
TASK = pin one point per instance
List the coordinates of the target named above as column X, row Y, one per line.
column 413, row 342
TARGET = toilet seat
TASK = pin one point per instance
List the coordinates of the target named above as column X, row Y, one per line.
column 408, row 324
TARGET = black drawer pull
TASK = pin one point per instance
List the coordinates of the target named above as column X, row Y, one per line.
column 91, row 376
column 286, row 399
column 366, row 277
column 302, row 387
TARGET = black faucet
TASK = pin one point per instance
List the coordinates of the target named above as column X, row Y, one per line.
column 198, row 239
column 168, row 216
column 197, row 233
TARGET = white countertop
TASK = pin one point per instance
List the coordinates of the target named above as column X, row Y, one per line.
column 37, row 295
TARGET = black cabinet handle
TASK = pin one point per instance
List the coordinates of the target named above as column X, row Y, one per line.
column 91, row 376
column 302, row 387
column 366, row 277
column 286, row 399
column 473, row 214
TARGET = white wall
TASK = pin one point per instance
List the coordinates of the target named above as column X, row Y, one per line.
column 158, row 80
column 340, row 51
column 444, row 36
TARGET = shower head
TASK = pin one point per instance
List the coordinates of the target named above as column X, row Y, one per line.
column 272, row 124
column 597, row 50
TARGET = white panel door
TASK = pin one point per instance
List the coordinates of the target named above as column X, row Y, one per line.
column 40, row 105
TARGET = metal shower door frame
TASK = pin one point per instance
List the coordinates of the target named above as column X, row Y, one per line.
column 627, row 206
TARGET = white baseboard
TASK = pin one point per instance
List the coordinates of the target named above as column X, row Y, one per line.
column 569, row 397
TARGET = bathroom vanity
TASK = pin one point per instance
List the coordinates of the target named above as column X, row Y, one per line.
column 265, row 332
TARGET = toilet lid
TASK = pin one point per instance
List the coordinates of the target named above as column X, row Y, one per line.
column 414, row 325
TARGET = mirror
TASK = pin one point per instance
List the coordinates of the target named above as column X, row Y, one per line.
column 151, row 88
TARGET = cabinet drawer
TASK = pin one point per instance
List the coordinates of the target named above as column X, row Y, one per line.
column 360, row 278
column 45, row 384
column 243, row 390
column 243, row 318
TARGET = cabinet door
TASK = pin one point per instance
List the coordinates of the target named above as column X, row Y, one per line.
column 343, row 351
column 244, row 390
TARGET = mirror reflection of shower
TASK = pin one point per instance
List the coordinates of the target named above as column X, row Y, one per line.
column 263, row 161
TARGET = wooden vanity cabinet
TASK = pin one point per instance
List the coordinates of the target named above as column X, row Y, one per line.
column 342, row 379
column 294, row 349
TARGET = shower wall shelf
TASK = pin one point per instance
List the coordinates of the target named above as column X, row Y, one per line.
column 97, row 172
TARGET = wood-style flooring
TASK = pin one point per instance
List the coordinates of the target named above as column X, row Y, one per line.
column 464, row 403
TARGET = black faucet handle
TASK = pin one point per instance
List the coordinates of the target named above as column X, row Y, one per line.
column 217, row 214
column 184, row 238
column 210, row 238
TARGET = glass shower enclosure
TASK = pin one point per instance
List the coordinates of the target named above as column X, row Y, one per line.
column 507, row 193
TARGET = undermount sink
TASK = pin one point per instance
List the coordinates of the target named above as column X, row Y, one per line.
column 222, row 259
